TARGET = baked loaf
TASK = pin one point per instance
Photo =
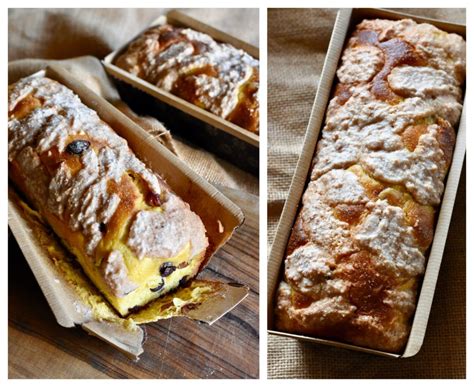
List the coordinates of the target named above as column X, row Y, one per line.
column 134, row 238
column 357, row 249
column 214, row 76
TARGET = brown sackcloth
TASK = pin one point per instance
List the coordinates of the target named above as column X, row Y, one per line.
column 87, row 35
column 297, row 44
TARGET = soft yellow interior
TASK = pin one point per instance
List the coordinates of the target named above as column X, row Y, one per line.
column 169, row 305
column 145, row 273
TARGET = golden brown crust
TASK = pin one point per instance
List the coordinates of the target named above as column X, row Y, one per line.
column 349, row 213
column 298, row 236
column 446, row 139
column 397, row 53
column 412, row 134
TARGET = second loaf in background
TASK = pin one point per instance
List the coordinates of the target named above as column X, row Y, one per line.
column 215, row 76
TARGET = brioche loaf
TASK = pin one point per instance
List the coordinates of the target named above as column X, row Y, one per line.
column 135, row 239
column 214, row 76
column 357, row 250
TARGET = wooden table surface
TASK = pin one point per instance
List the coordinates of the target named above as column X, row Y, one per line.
column 177, row 348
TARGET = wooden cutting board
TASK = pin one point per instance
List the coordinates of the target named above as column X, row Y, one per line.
column 177, row 348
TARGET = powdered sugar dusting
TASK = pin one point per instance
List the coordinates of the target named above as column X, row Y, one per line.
column 163, row 234
column 323, row 228
column 82, row 197
column 385, row 232
column 360, row 64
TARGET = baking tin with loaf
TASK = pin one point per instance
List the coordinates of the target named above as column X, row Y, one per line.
column 196, row 117
column 346, row 21
column 73, row 299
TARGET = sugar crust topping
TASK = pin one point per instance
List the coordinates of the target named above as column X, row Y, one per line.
column 323, row 270
column 82, row 198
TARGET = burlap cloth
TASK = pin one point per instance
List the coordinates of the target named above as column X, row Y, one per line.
column 297, row 43
column 88, row 35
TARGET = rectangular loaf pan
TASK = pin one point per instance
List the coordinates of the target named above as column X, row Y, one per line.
column 206, row 129
column 220, row 216
column 346, row 20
